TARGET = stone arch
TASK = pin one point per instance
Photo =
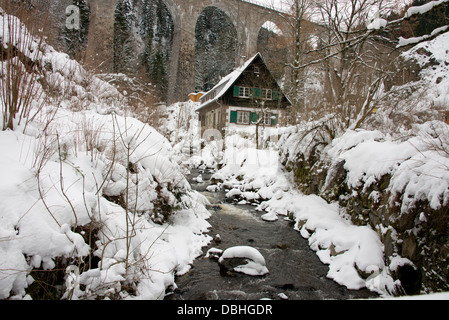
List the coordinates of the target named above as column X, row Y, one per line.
column 245, row 17
column 238, row 18
column 216, row 47
column 101, row 31
column 170, row 4
column 275, row 56
column 174, row 11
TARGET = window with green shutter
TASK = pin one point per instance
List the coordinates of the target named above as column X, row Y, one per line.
column 233, row 117
column 243, row 117
column 256, row 92
column 254, row 117
column 275, row 95
column 236, row 91
column 274, row 119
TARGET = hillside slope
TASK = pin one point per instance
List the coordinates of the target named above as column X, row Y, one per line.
column 92, row 204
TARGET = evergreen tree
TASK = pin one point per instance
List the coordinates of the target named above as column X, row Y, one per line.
column 157, row 31
column 216, row 42
column 125, row 16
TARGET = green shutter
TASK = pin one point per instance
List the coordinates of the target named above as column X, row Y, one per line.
column 254, row 117
column 236, row 92
column 275, row 95
column 256, row 92
column 275, row 121
column 233, row 117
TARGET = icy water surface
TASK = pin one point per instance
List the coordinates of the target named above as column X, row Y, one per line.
column 296, row 272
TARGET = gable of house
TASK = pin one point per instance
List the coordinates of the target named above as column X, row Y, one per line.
column 239, row 97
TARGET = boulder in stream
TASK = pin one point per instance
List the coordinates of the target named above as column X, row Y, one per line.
column 243, row 259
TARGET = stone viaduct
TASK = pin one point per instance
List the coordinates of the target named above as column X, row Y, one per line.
column 247, row 18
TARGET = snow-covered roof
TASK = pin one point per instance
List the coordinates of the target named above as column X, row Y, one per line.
column 223, row 86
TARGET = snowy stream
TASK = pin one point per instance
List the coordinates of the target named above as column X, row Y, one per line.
column 296, row 273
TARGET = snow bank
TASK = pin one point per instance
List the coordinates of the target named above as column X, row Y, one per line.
column 435, row 79
column 424, row 176
column 44, row 199
column 250, row 174
column 418, row 171
column 404, row 176
column 369, row 159
column 354, row 254
column 93, row 183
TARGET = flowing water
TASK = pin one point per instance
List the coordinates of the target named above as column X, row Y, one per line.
column 295, row 270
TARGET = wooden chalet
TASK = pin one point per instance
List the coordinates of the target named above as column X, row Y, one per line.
column 247, row 96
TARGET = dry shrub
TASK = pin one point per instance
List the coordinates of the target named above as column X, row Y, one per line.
column 142, row 99
column 23, row 37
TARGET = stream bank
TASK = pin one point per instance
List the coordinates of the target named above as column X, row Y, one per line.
column 296, row 272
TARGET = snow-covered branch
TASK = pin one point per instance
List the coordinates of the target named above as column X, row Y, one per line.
column 380, row 23
column 412, row 11
column 403, row 42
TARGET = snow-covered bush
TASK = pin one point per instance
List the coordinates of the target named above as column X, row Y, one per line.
column 91, row 195
column 19, row 71
column 398, row 187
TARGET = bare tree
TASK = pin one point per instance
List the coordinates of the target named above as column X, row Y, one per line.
column 21, row 43
column 355, row 55
column 298, row 38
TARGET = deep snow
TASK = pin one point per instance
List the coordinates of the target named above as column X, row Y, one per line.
column 68, row 173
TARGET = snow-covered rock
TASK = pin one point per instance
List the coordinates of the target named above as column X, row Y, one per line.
column 214, row 253
column 270, row 216
column 243, row 259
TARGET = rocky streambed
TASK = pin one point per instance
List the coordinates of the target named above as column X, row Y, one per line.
column 294, row 270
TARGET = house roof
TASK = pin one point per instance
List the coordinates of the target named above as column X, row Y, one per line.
column 223, row 86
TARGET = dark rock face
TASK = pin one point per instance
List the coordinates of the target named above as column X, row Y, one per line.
column 227, row 265
column 411, row 279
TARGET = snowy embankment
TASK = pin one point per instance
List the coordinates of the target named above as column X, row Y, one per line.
column 418, row 171
column 94, row 193
column 396, row 183
column 52, row 199
column 354, row 254
column 386, row 180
